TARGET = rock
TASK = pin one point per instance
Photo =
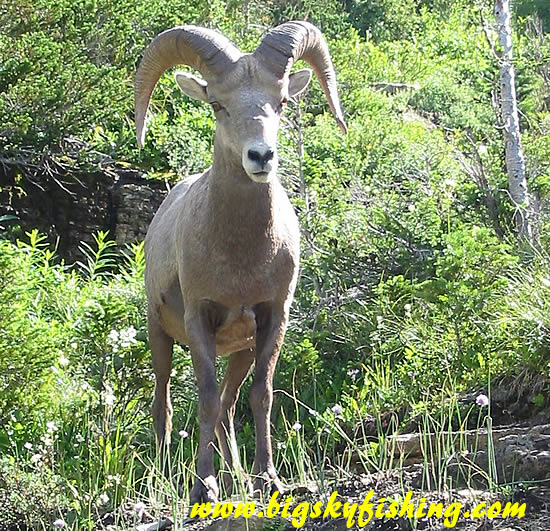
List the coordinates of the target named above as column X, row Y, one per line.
column 519, row 453
column 161, row 525
column 73, row 208
column 248, row 524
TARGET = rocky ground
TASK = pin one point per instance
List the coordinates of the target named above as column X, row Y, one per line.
column 523, row 451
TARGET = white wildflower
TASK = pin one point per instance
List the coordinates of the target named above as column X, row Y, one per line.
column 36, row 458
column 127, row 336
column 112, row 340
column 281, row 446
column 108, row 396
column 63, row 361
column 337, row 409
column 104, row 498
column 51, row 426
column 482, row 400
column 449, row 183
column 28, row 446
column 59, row 523
column 296, row 426
column 110, row 399
column 183, row 434
column 353, row 373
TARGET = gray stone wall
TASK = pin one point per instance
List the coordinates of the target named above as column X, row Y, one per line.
column 72, row 208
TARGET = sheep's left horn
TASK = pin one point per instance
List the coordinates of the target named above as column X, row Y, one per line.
column 206, row 50
column 287, row 43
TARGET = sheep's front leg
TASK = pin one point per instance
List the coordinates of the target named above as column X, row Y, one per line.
column 269, row 339
column 236, row 372
column 200, row 337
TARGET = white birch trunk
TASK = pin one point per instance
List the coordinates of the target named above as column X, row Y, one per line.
column 515, row 160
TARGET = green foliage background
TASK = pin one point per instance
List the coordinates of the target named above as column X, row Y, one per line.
column 411, row 291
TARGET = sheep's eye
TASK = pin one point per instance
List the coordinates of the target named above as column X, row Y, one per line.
column 216, row 106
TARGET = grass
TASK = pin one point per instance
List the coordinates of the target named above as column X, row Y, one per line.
column 78, row 444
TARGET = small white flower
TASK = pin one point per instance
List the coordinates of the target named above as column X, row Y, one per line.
column 353, row 373
column 51, row 426
column 408, row 307
column 63, row 361
column 183, row 434
column 79, row 438
column 36, row 458
column 110, row 399
column 412, row 208
column 59, row 523
column 104, row 498
column 281, row 446
column 127, row 336
column 482, row 400
column 108, row 396
column 449, row 183
column 139, row 508
column 28, row 446
column 337, row 409
column 296, row 426
column 74, row 345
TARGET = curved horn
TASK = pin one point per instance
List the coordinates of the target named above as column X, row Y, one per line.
column 206, row 50
column 287, row 43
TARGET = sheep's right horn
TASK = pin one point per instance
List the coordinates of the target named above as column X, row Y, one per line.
column 206, row 50
column 287, row 43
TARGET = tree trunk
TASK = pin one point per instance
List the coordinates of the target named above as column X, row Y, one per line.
column 515, row 160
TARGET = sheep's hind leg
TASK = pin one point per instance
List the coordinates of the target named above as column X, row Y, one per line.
column 161, row 353
column 236, row 372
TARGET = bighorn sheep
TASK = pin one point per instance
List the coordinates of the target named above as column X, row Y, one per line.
column 222, row 251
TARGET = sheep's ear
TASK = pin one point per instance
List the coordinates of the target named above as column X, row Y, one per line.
column 298, row 82
column 192, row 86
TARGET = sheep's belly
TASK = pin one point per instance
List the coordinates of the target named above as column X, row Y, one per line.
column 238, row 332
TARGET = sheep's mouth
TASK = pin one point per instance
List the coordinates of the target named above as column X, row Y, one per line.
column 261, row 176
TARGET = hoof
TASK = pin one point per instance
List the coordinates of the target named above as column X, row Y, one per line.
column 204, row 491
column 267, row 484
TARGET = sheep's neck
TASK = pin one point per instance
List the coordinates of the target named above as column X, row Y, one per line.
column 239, row 208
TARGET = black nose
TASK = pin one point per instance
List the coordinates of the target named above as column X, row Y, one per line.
column 254, row 155
column 257, row 157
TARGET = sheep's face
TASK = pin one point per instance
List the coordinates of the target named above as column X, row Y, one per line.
column 248, row 103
